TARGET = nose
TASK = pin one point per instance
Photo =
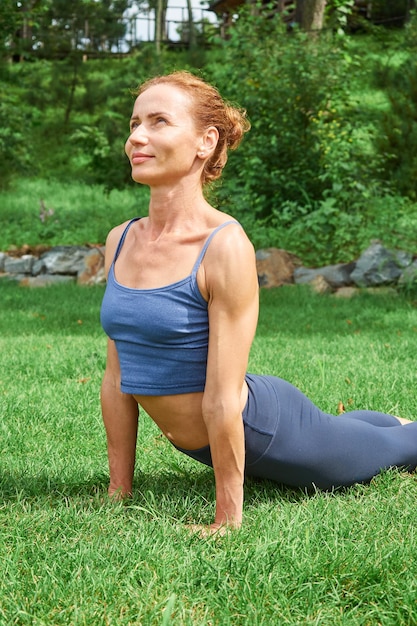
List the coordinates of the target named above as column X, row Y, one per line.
column 138, row 135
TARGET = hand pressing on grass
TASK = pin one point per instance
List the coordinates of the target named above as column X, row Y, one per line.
column 117, row 495
column 213, row 530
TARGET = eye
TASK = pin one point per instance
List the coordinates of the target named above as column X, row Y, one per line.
column 160, row 120
column 133, row 125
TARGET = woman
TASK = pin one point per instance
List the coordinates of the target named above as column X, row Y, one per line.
column 180, row 310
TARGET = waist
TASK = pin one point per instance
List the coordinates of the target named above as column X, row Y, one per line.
column 180, row 416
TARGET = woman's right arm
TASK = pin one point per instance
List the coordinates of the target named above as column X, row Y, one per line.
column 119, row 410
column 120, row 416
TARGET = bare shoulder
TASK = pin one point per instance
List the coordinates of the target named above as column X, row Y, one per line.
column 230, row 260
column 231, row 244
column 115, row 233
column 112, row 241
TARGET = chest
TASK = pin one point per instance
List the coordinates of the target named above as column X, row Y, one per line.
column 169, row 317
column 152, row 265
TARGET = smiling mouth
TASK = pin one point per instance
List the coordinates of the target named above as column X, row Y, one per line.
column 138, row 157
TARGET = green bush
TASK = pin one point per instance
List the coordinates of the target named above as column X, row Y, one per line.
column 397, row 141
column 282, row 82
column 306, row 175
column 17, row 126
column 393, row 13
column 73, row 116
column 322, row 171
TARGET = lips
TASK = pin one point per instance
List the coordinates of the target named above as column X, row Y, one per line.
column 140, row 157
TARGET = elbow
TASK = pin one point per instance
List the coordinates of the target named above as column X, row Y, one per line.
column 220, row 410
column 112, row 396
column 111, row 380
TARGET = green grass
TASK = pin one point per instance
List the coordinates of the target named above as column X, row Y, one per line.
column 68, row 556
column 80, row 213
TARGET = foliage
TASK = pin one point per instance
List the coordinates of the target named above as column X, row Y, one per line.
column 398, row 141
column 338, row 13
column 307, row 175
column 393, row 13
column 56, row 28
column 16, row 122
column 331, row 151
column 339, row 231
column 9, row 21
column 398, row 138
column 283, row 86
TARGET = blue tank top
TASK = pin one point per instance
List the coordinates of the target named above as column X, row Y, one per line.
column 161, row 335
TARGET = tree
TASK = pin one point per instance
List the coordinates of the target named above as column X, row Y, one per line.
column 309, row 14
column 159, row 24
column 87, row 25
column 58, row 28
column 191, row 26
column 18, row 23
column 8, row 24
column 160, row 8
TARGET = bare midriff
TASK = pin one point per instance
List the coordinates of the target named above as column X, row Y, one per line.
column 180, row 417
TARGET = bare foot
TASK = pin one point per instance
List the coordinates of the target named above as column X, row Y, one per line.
column 402, row 420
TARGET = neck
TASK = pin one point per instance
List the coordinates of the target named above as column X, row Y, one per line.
column 170, row 208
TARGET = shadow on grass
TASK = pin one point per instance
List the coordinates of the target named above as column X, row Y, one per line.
column 15, row 486
column 164, row 485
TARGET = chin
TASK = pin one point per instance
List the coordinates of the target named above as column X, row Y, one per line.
column 137, row 178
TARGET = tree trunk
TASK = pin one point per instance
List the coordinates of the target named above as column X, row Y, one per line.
column 159, row 17
column 191, row 27
column 71, row 94
column 309, row 14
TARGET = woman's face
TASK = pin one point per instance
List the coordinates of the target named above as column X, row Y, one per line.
column 164, row 143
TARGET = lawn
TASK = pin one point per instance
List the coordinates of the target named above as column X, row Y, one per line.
column 40, row 211
column 70, row 557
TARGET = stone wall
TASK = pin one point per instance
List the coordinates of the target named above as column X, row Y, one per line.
column 37, row 268
column 377, row 266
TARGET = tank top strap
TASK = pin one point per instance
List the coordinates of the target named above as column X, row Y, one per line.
column 123, row 237
column 207, row 243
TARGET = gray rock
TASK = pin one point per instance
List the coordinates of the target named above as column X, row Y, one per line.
column 92, row 272
column 19, row 265
column 335, row 275
column 404, row 259
column 379, row 266
column 64, row 259
column 320, row 285
column 409, row 275
column 38, row 267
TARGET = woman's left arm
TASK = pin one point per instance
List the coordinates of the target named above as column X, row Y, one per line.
column 232, row 287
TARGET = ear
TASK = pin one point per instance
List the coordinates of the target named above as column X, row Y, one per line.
column 208, row 142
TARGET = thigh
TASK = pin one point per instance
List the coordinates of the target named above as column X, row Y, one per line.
column 383, row 420
column 312, row 448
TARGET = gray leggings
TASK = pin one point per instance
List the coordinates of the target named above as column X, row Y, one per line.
column 289, row 440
